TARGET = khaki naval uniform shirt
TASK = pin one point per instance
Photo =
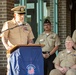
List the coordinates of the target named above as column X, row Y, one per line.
column 17, row 35
column 66, row 59
column 49, row 40
column 74, row 36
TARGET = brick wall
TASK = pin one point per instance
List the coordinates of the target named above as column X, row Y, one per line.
column 64, row 21
column 51, row 12
column 5, row 14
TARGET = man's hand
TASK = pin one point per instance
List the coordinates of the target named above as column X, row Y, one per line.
column 63, row 70
column 8, row 47
column 46, row 55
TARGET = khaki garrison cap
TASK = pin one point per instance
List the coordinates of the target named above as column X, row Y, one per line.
column 19, row 9
column 68, row 38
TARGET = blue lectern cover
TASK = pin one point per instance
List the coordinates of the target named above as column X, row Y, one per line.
column 26, row 60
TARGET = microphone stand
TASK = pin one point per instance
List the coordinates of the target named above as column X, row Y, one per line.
column 11, row 28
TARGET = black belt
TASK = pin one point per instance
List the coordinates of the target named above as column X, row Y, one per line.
column 45, row 52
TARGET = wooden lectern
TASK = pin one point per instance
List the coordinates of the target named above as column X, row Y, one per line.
column 26, row 60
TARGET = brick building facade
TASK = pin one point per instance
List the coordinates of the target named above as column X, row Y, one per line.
column 64, row 24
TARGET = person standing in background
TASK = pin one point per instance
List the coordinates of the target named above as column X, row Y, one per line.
column 51, row 42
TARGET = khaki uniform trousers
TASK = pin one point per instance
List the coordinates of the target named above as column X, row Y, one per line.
column 57, row 72
column 8, row 65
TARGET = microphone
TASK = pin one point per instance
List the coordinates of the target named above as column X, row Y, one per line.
column 21, row 24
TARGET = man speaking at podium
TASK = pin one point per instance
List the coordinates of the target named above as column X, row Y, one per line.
column 15, row 31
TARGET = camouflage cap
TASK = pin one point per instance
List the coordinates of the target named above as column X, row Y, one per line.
column 19, row 9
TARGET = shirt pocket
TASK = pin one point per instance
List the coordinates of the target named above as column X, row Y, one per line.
column 42, row 41
column 62, row 57
column 72, row 59
column 51, row 41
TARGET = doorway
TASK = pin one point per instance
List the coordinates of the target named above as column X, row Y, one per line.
column 32, row 20
column 32, row 16
column 73, row 16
